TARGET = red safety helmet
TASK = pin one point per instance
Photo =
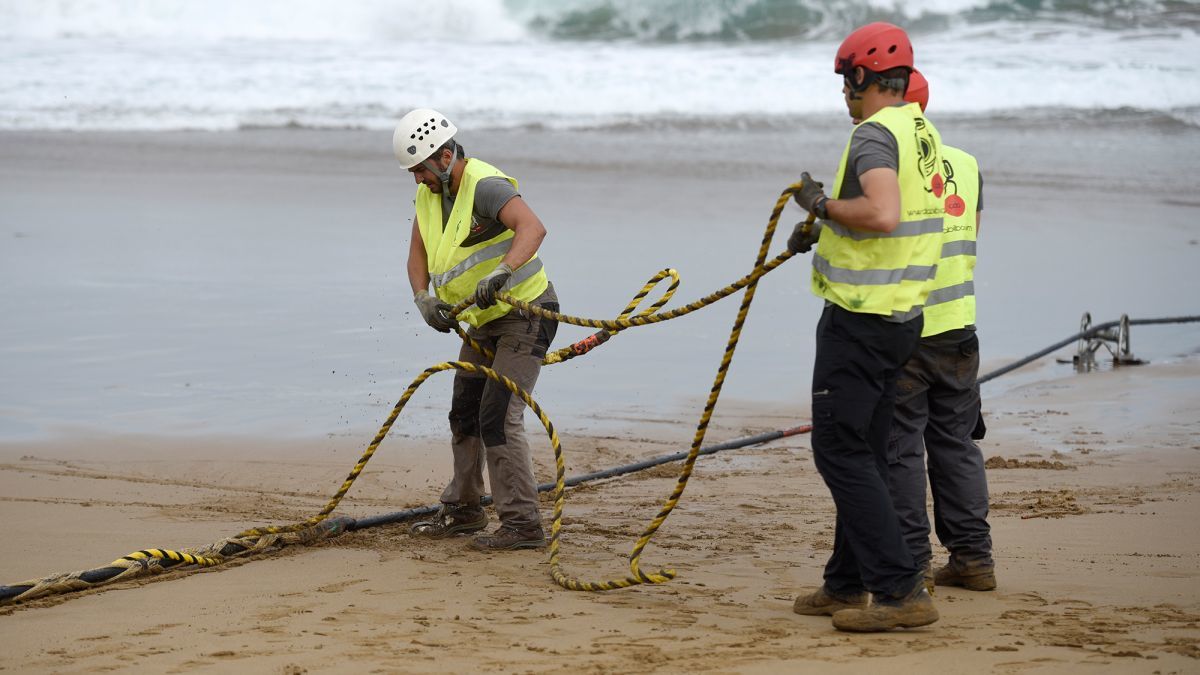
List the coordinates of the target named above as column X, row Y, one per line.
column 876, row 47
column 918, row 89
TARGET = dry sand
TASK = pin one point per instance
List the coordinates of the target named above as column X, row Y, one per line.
column 1094, row 519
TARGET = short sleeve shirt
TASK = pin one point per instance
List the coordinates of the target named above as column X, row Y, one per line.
column 491, row 194
column 871, row 147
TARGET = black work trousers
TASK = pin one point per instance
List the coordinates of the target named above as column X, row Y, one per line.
column 859, row 357
column 937, row 409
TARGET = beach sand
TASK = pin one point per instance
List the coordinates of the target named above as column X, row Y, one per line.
column 204, row 330
column 1097, row 550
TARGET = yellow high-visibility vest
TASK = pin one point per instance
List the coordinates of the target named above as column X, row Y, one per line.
column 456, row 270
column 889, row 273
column 951, row 303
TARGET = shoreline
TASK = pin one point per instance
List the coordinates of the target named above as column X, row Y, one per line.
column 1096, row 547
column 250, row 283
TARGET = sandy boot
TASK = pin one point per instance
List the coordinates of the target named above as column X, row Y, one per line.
column 971, row 576
column 823, row 603
column 507, row 538
column 451, row 519
column 913, row 610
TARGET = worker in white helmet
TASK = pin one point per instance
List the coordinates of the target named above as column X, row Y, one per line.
column 473, row 237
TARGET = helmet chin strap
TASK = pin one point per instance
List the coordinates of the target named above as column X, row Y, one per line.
column 445, row 176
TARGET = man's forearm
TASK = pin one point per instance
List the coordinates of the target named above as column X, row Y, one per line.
column 418, row 275
column 525, row 244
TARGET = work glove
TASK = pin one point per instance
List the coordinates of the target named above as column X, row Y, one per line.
column 810, row 197
column 804, row 235
column 485, row 292
column 435, row 312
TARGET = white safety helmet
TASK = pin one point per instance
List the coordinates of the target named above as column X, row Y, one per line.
column 419, row 134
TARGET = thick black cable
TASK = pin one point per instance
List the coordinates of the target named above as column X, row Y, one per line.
column 1082, row 335
column 409, row 514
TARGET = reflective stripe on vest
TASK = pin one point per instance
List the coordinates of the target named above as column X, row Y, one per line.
column 889, row 273
column 951, row 303
column 456, row 270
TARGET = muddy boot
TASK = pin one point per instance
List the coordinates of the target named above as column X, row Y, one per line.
column 973, row 576
column 507, row 538
column 823, row 603
column 928, row 577
column 913, row 610
column 451, row 519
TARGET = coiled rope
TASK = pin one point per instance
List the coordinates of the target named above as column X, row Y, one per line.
column 608, row 328
column 318, row 527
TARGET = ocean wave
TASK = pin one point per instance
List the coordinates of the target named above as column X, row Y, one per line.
column 486, row 21
column 767, row 20
column 1000, row 67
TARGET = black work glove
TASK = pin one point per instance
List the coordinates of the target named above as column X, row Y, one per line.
column 485, row 292
column 435, row 312
column 803, row 237
column 810, row 197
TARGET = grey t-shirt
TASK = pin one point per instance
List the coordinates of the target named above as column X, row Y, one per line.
column 491, row 194
column 871, row 147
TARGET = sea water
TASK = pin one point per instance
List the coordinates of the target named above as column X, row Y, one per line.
column 214, row 305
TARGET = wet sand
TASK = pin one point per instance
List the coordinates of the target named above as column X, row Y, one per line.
column 253, row 282
column 1097, row 548
column 203, row 331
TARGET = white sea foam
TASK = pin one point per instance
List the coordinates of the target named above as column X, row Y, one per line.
column 176, row 64
column 358, row 21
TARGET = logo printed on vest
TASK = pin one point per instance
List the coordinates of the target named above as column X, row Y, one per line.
column 955, row 206
column 927, row 157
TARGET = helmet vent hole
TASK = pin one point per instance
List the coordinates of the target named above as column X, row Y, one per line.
column 445, row 123
column 870, row 51
column 892, row 49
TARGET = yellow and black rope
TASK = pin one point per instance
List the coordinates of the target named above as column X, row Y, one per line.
column 175, row 556
column 313, row 528
column 610, row 326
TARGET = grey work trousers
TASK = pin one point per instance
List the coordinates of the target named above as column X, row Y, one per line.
column 487, row 420
column 937, row 409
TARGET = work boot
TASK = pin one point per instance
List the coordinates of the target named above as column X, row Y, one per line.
column 823, row 603
column 508, row 538
column 913, row 610
column 928, row 577
column 973, row 576
column 451, row 519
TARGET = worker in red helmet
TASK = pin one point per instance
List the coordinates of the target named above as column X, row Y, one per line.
column 876, row 254
column 937, row 413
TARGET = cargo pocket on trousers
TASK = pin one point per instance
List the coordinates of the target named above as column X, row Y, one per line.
column 824, row 431
column 980, row 430
column 545, row 331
